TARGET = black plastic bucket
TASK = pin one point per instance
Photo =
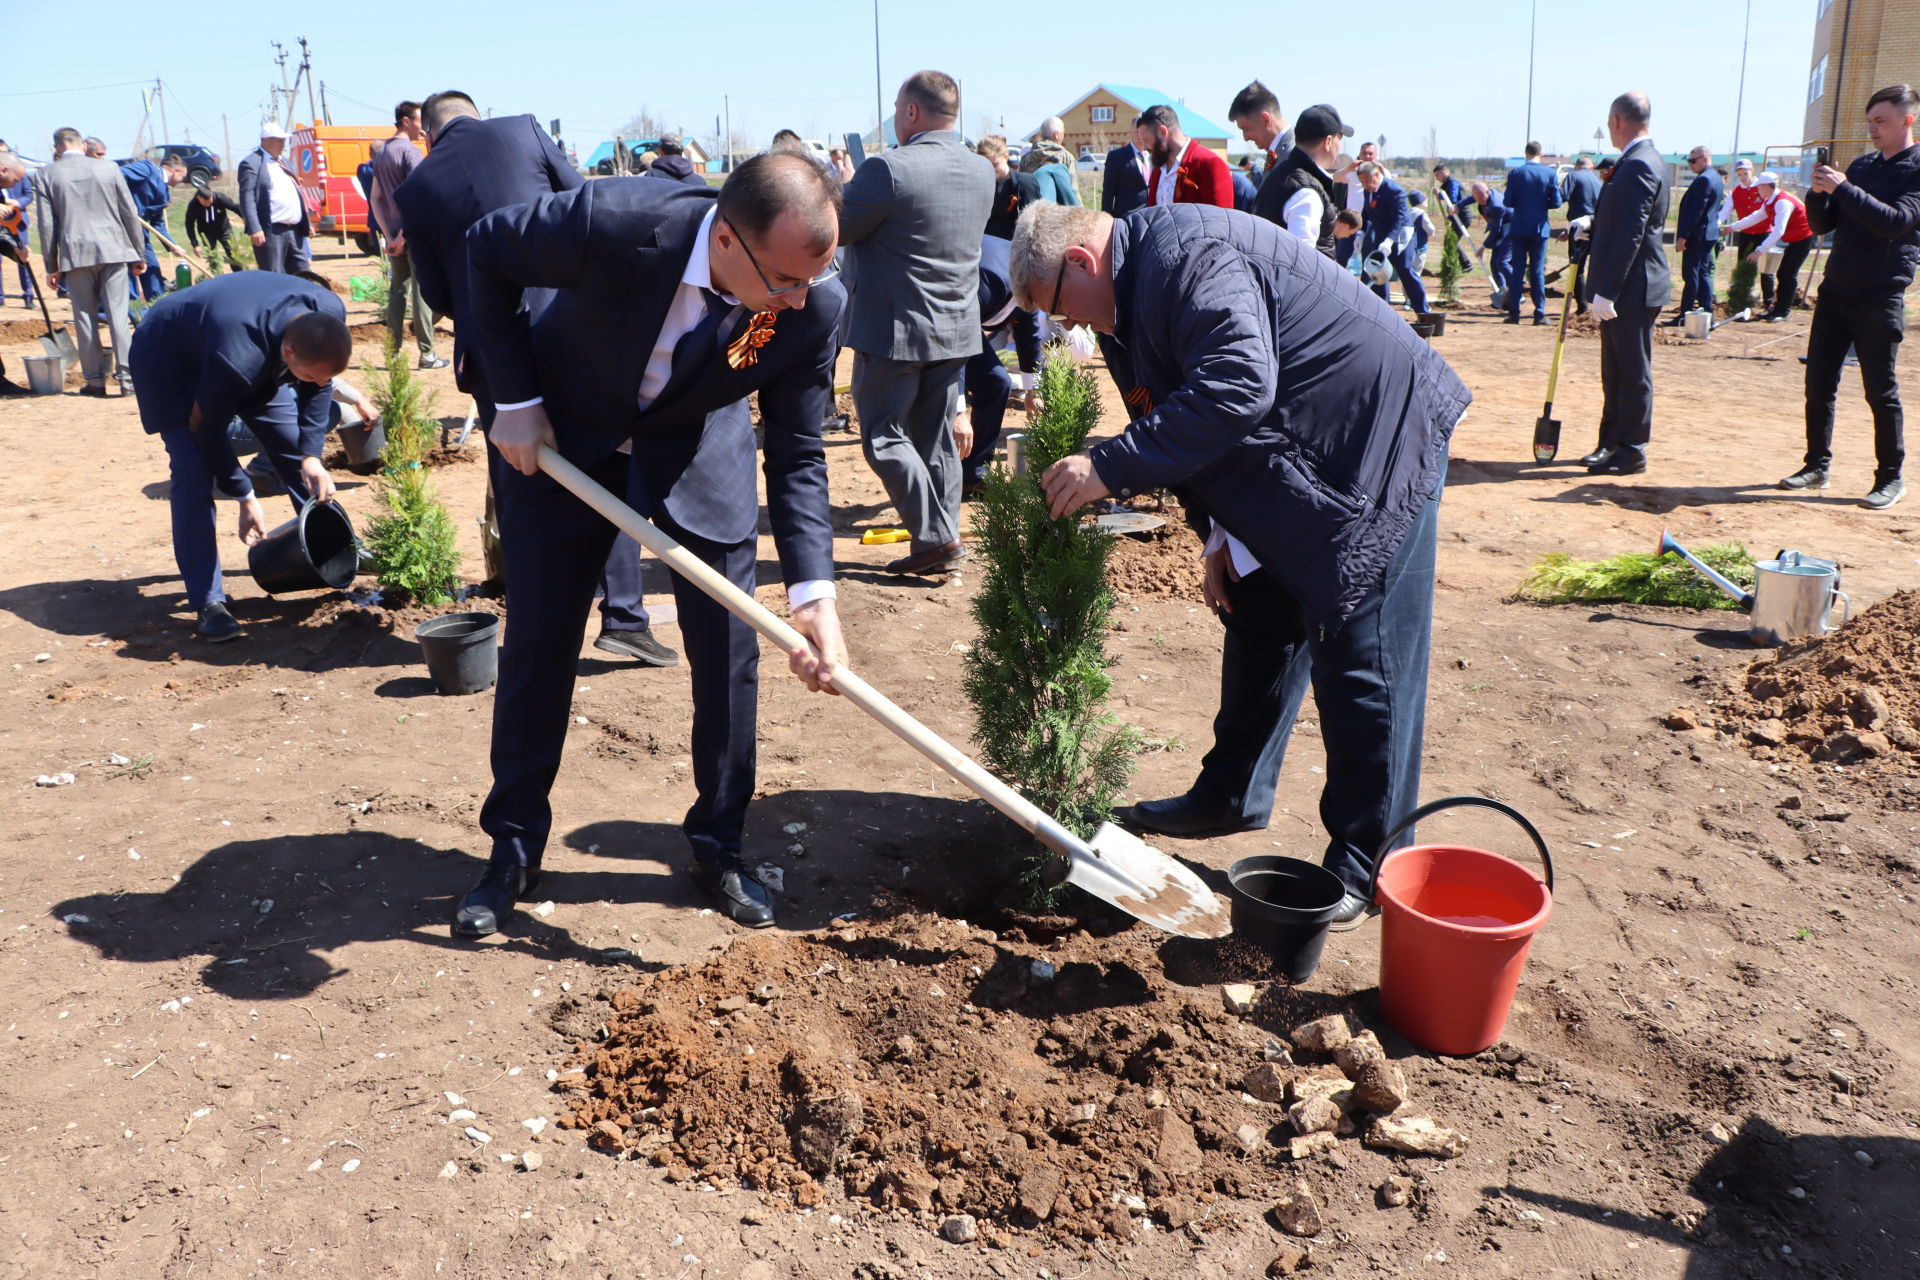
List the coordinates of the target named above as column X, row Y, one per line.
column 1424, row 332
column 1285, row 906
column 462, row 651
column 364, row 444
column 1438, row 319
column 314, row 551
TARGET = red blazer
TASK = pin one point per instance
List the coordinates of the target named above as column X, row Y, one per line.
column 1203, row 179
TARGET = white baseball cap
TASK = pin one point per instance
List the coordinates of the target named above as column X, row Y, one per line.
column 272, row 130
column 1768, row 179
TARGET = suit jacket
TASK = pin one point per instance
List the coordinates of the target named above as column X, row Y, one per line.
column 147, row 182
column 1122, row 188
column 1531, row 192
column 1245, row 191
column 256, row 194
column 1203, row 178
column 996, row 285
column 475, row 167
column 1495, row 212
column 217, row 346
column 1276, row 394
column 913, row 217
column 87, row 218
column 614, row 251
column 1581, row 190
column 1700, row 207
column 1011, row 196
column 1627, row 265
column 1386, row 215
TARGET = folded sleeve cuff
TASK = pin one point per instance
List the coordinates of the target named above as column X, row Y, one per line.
column 803, row 593
column 522, row 404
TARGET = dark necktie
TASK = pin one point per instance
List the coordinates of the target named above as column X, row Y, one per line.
column 695, row 348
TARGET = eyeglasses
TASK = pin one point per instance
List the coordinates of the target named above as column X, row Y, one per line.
column 833, row 269
column 1059, row 279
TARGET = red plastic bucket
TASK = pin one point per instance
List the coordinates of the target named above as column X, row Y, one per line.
column 1455, row 926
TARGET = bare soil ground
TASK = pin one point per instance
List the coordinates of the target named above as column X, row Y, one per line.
column 236, row 1014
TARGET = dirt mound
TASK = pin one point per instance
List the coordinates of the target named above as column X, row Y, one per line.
column 923, row 1064
column 1849, row 697
column 1164, row 563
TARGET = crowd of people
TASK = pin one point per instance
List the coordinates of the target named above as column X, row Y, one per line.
column 1245, row 319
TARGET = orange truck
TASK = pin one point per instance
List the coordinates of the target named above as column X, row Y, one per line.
column 326, row 162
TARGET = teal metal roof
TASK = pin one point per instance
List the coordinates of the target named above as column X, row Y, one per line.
column 1192, row 123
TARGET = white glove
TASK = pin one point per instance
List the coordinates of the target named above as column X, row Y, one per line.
column 1578, row 228
column 1603, row 309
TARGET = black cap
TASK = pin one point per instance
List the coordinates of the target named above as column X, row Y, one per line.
column 1319, row 122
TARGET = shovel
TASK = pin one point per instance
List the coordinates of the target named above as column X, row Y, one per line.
column 192, row 261
column 1546, row 428
column 58, row 343
column 1114, row 866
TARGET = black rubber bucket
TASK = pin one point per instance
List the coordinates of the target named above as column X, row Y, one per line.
column 462, row 651
column 1438, row 319
column 1285, row 906
column 314, row 551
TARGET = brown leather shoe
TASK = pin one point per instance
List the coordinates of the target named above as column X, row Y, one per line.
column 933, row 560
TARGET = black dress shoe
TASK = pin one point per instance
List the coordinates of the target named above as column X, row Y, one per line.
column 1623, row 462
column 1185, row 816
column 1351, row 913
column 491, row 901
column 933, row 560
column 1598, row 456
column 1511, row 320
column 638, row 645
column 1539, row 321
column 739, row 892
column 216, row 623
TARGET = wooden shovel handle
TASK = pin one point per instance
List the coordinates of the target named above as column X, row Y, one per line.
column 198, row 265
column 852, row 687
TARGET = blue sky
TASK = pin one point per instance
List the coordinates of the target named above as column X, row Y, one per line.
column 1397, row 68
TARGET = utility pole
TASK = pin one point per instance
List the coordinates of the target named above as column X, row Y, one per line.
column 1740, row 99
column 726, row 103
column 280, row 57
column 879, row 113
column 1533, row 23
column 159, row 91
column 326, row 112
column 306, row 69
column 226, row 137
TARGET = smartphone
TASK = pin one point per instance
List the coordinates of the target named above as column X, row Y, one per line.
column 1822, row 156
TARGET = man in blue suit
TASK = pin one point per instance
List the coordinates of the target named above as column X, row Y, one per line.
column 1627, row 281
column 1531, row 191
column 1580, row 189
column 1389, row 222
column 1499, row 251
column 1698, row 233
column 1123, row 182
column 151, row 186
column 1306, row 426
column 275, row 211
column 476, row 166
column 669, row 306
column 259, row 346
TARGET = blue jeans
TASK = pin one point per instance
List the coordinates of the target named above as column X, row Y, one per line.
column 1369, row 683
column 1528, row 258
column 199, row 462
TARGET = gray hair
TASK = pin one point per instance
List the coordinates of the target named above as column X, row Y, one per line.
column 1634, row 108
column 1040, row 242
column 1053, row 127
column 1368, row 169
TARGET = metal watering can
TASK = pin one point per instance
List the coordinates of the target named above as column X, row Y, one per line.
column 1792, row 597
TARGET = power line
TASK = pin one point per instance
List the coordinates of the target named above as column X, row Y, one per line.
column 85, row 88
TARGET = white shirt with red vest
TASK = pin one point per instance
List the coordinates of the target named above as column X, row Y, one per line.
column 1789, row 219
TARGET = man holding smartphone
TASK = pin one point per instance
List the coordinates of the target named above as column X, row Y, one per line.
column 1873, row 211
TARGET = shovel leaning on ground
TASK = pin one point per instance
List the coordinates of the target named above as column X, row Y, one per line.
column 1114, row 866
column 1546, row 428
column 58, row 343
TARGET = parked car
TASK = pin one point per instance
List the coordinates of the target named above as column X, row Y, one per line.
column 203, row 166
column 1090, row 163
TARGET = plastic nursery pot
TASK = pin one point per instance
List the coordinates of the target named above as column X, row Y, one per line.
column 462, row 651
column 313, row 551
column 1285, row 906
column 1424, row 331
column 1437, row 319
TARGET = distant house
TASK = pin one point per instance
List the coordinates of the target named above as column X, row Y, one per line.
column 602, row 160
column 1102, row 118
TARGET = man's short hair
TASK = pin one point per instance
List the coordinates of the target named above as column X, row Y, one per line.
column 95, row 142
column 1040, row 242
column 1605, row 164
column 765, row 186
column 934, row 92
column 403, row 110
column 1533, row 151
column 785, row 135
column 1251, row 101
column 321, row 338
column 447, row 105
column 1904, row 98
column 1583, row 162
column 314, row 277
column 1633, row 107
column 174, row 162
column 64, row 138
column 1348, row 218
column 788, row 143
column 1440, row 168
column 1368, row 169
column 993, row 147
column 670, row 145
column 1161, row 116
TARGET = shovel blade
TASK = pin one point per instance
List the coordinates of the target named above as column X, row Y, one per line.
column 1148, row 885
column 60, row 343
column 1546, row 439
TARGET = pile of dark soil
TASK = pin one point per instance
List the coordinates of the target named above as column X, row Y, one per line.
column 925, row 1065
column 1164, row 563
column 1849, row 697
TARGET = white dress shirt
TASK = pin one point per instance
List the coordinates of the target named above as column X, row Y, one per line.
column 283, row 197
column 1303, row 210
column 688, row 306
column 1782, row 214
column 1170, row 176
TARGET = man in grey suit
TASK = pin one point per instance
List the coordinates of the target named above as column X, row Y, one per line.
column 1626, row 282
column 913, row 217
column 274, row 209
column 91, row 238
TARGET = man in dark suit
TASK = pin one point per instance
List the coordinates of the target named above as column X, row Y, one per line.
column 1493, row 211
column 272, row 206
column 260, row 346
column 670, row 306
column 1627, row 281
column 1307, row 427
column 476, row 166
column 1531, row 192
column 1580, row 189
column 989, row 387
column 1698, row 233
column 1388, row 220
column 1123, row 181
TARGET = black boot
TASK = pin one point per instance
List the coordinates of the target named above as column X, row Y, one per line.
column 738, row 890
column 491, row 901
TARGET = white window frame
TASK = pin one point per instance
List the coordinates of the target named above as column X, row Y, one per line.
column 1817, row 81
column 1100, row 115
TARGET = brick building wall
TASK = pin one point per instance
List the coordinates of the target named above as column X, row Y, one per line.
column 1881, row 47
